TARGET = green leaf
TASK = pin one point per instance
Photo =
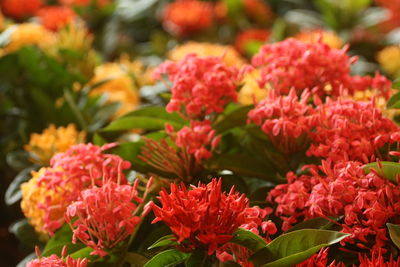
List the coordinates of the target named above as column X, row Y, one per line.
column 156, row 112
column 135, row 259
column 83, row 253
column 394, row 101
column 197, row 258
column 394, row 232
column 25, row 233
column 295, row 247
column 63, row 237
column 167, row 240
column 168, row 258
column 139, row 122
column 234, row 119
column 248, row 239
column 386, row 169
column 315, row 223
column 13, row 193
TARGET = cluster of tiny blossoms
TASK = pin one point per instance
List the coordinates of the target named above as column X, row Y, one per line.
column 314, row 66
column 205, row 216
column 55, row 261
column 366, row 201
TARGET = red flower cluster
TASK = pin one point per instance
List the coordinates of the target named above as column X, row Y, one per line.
column 319, row 260
column 377, row 260
column 196, row 138
column 243, row 39
column 258, row 10
column 20, row 9
column 204, row 216
column 314, row 66
column 76, row 169
column 200, row 86
column 55, row 17
column 285, row 119
column 55, row 261
column 350, row 130
column 105, row 215
column 394, row 8
column 184, row 17
column 366, row 201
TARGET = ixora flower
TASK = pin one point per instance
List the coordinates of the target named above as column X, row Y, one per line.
column 350, row 130
column 389, row 59
column 184, row 17
column 319, row 35
column 366, row 201
column 320, row 260
column 54, row 188
column 200, row 86
column 205, row 217
column 105, row 216
column 55, row 261
column 251, row 37
column 55, row 17
column 286, row 120
column 314, row 66
column 377, row 260
column 51, row 141
column 20, row 9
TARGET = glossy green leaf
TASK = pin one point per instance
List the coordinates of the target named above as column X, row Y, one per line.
column 394, row 232
column 25, row 233
column 139, row 122
column 315, row 223
column 168, row 258
column 386, row 169
column 236, row 118
column 156, row 112
column 248, row 239
column 13, row 193
column 394, row 101
column 197, row 258
column 135, row 259
column 167, row 240
column 63, row 237
column 295, row 247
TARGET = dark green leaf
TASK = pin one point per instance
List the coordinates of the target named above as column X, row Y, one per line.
column 13, row 193
column 139, row 122
column 18, row 160
column 315, row 223
column 295, row 247
column 394, row 101
column 386, row 169
column 248, row 239
column 156, row 112
column 394, row 232
column 197, row 258
column 234, row 119
column 168, row 258
column 135, row 259
column 63, row 237
column 167, row 240
column 25, row 233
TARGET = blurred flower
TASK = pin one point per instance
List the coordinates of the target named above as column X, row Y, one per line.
column 258, row 11
column 250, row 92
column 105, row 216
column 42, row 147
column 313, row 36
column 228, row 53
column 203, row 217
column 118, row 86
column 389, row 59
column 55, row 17
column 55, row 261
column 393, row 20
column 200, row 86
column 286, row 120
column 350, row 130
column 184, row 17
column 84, row 3
column 251, row 40
column 20, row 9
column 315, row 66
column 29, row 34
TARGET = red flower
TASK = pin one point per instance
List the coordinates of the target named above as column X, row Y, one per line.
column 204, row 216
column 200, row 86
column 105, row 215
column 55, row 261
column 184, row 17
column 76, row 169
column 285, row 119
column 20, row 9
column 258, row 10
column 393, row 6
column 377, row 260
column 350, row 130
column 314, row 66
column 247, row 37
column 84, row 3
column 55, row 17
column 319, row 260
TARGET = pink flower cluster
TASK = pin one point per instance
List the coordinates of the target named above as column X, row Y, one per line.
column 55, row 261
column 205, row 216
column 366, row 201
column 105, row 216
column 313, row 66
column 76, row 169
column 200, row 86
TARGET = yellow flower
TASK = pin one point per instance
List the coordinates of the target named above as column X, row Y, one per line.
column 328, row 37
column 230, row 55
column 33, row 195
column 119, row 86
column 53, row 140
column 29, row 34
column 380, row 101
column 250, row 90
column 389, row 59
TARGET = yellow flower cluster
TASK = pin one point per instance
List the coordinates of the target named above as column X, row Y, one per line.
column 34, row 194
column 53, row 140
column 380, row 101
column 230, row 55
column 389, row 59
column 250, row 90
column 28, row 34
column 327, row 37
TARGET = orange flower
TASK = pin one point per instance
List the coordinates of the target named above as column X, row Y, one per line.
column 327, row 37
column 55, row 17
column 245, row 38
column 20, row 9
column 258, row 11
